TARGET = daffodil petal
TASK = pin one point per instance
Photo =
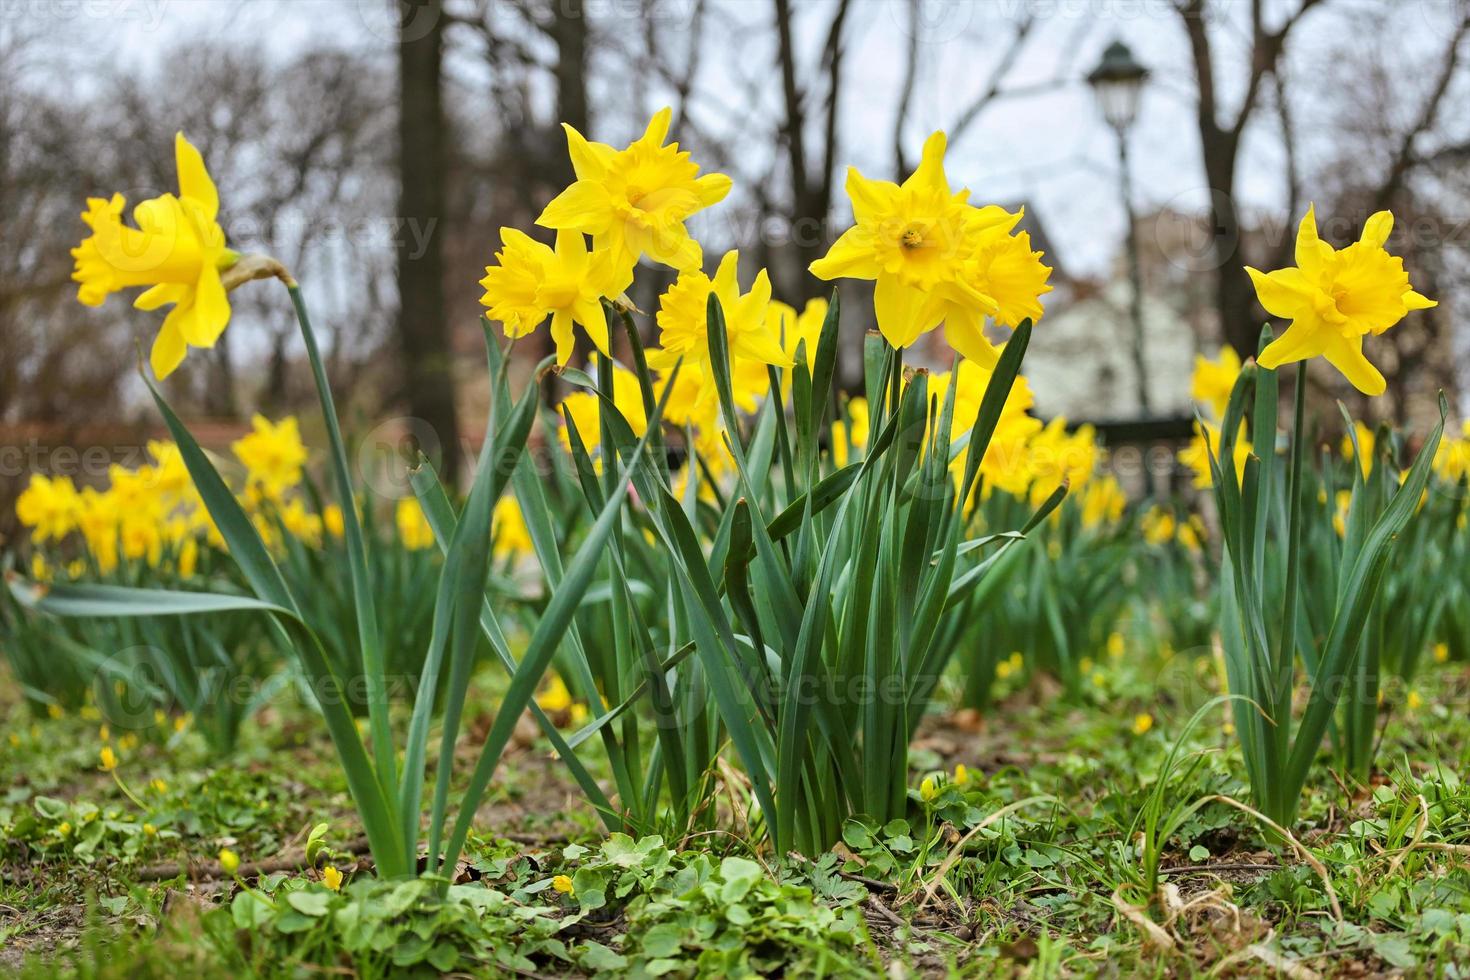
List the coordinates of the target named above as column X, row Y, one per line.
column 1284, row 293
column 1377, row 229
column 194, row 179
column 211, row 309
column 589, row 159
column 168, row 347
column 1311, row 251
column 1346, row 354
column 584, row 205
column 161, row 295
column 1303, row 339
column 1418, row 301
column 561, row 335
column 966, row 335
column 850, row 257
column 898, row 307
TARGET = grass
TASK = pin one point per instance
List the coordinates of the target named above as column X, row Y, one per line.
column 1033, row 864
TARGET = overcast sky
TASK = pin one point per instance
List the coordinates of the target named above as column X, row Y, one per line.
column 1050, row 149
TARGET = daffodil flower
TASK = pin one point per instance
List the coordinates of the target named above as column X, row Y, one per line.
column 49, row 506
column 531, row 281
column 935, row 258
column 178, row 249
column 683, row 321
column 634, row 201
column 414, row 530
column 1206, row 440
column 1212, row 381
column 273, row 455
column 1336, row 297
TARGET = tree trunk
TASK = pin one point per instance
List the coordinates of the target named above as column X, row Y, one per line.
column 1240, row 327
column 569, row 31
column 422, row 329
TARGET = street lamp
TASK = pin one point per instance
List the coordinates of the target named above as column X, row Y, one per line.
column 1117, row 84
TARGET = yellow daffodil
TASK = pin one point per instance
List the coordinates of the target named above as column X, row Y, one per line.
column 413, row 526
column 556, row 696
column 177, row 249
column 1206, row 440
column 1452, row 459
column 301, row 523
column 1213, row 381
column 229, row 861
column 1158, row 526
column 1003, row 268
column 935, row 259
column 585, row 409
column 1344, row 503
column 1142, row 723
column 508, row 530
column 563, row 884
column 845, row 436
column 1336, row 297
column 794, row 329
column 1103, row 502
column 634, row 201
column 332, row 878
column 1366, row 440
column 531, row 281
column 49, row 506
column 1058, row 456
column 332, row 520
column 273, row 455
column 1188, row 535
column 1007, row 461
column 683, row 322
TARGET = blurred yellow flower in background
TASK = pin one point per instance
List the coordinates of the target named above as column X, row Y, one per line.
column 585, row 409
column 508, row 530
column 1103, row 502
column 414, row 530
column 845, row 436
column 793, row 329
column 273, row 455
column 49, row 506
column 1366, row 440
column 1206, row 440
column 177, row 249
column 1336, row 297
column 634, row 201
column 1213, row 381
column 1158, row 526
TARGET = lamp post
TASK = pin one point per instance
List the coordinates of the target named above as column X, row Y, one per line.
column 1117, row 84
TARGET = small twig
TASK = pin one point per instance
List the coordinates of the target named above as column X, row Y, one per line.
column 1302, row 852
column 1190, row 869
column 211, row 870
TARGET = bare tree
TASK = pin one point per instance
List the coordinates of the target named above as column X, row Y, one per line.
column 1220, row 135
column 422, row 328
